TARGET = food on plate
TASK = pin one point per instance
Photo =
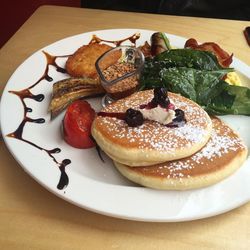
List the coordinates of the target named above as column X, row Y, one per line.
column 159, row 43
column 152, row 141
column 232, row 78
column 120, row 79
column 82, row 62
column 81, row 66
column 220, row 157
column 145, row 49
column 158, row 139
column 77, row 124
column 68, row 90
column 197, row 75
column 124, row 87
column 223, row 57
column 193, row 72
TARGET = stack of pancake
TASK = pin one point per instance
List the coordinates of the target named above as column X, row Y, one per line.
column 199, row 153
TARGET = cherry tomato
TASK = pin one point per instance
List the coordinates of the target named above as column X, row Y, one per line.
column 77, row 124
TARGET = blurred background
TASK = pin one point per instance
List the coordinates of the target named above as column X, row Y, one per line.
column 14, row 13
column 227, row 9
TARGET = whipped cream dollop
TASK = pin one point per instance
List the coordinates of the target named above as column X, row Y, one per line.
column 158, row 114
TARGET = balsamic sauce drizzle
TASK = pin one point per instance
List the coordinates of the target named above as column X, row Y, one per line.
column 132, row 39
column 27, row 94
column 18, row 133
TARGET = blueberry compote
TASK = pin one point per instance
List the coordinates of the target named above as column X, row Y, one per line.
column 134, row 118
column 160, row 99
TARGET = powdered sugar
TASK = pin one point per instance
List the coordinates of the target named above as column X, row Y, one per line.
column 218, row 146
column 223, row 142
column 153, row 135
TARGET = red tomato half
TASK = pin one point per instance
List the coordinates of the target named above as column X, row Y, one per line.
column 77, row 124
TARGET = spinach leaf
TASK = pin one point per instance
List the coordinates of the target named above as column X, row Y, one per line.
column 190, row 58
column 197, row 85
column 232, row 100
column 151, row 76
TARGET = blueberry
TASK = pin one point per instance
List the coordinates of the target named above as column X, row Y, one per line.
column 133, row 117
column 164, row 102
column 160, row 97
column 179, row 116
column 160, row 92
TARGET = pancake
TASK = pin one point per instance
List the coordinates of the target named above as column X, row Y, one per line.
column 152, row 142
column 223, row 154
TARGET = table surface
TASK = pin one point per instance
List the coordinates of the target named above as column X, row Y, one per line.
column 33, row 218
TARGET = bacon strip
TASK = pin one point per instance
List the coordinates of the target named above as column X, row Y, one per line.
column 223, row 57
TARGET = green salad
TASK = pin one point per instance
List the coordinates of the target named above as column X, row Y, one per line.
column 198, row 76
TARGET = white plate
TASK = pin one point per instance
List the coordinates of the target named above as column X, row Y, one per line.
column 95, row 185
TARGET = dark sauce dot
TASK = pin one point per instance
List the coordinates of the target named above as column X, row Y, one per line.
column 28, row 109
column 48, row 78
column 64, row 180
column 61, row 70
column 39, row 120
column 54, row 151
column 66, row 162
column 38, row 98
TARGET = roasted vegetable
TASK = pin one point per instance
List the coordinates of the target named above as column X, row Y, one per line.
column 159, row 43
column 70, row 89
column 77, row 124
